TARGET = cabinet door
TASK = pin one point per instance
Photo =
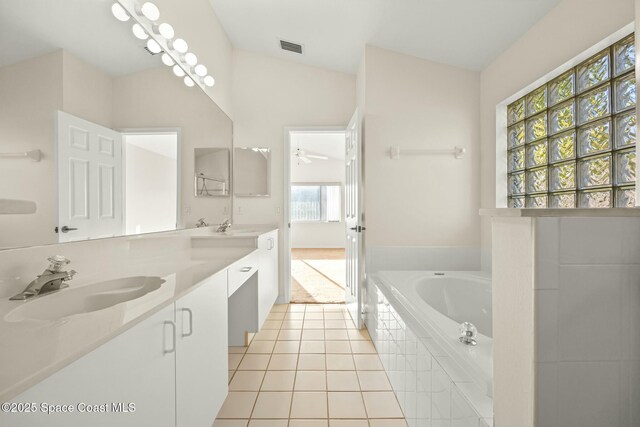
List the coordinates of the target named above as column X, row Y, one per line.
column 135, row 367
column 201, row 357
column 267, row 273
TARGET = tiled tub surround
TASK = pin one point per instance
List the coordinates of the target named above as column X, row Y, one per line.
column 31, row 351
column 566, row 316
column 432, row 388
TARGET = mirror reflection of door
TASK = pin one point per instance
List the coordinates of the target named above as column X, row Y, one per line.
column 113, row 183
column 90, row 192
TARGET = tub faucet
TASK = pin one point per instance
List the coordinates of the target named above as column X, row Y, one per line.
column 201, row 223
column 224, row 226
column 468, row 333
column 51, row 280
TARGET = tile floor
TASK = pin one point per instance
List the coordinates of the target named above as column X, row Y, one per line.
column 309, row 367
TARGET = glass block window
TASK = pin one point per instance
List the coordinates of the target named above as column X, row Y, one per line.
column 572, row 142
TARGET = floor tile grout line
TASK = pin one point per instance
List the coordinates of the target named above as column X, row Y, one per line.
column 295, row 378
column 255, row 402
column 328, row 419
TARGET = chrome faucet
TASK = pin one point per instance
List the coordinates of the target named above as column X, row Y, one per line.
column 201, row 223
column 224, row 226
column 468, row 333
column 51, row 280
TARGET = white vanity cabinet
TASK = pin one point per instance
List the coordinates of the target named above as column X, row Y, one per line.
column 201, row 353
column 267, row 273
column 137, row 366
column 171, row 366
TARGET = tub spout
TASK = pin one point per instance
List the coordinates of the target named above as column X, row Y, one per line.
column 468, row 333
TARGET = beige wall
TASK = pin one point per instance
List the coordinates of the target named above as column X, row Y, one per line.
column 87, row 91
column 28, row 125
column 420, row 200
column 565, row 32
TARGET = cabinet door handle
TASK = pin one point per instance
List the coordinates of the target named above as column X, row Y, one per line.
column 188, row 310
column 245, row 269
column 173, row 337
column 272, row 243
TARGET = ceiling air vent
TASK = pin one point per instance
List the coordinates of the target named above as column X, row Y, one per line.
column 291, row 47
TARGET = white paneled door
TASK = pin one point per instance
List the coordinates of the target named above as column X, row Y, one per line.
column 90, row 189
column 354, row 220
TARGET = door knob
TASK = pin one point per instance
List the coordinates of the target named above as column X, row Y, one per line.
column 64, row 229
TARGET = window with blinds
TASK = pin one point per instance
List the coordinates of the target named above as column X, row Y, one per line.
column 316, row 203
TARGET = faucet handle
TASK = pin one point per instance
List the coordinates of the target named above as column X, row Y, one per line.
column 57, row 261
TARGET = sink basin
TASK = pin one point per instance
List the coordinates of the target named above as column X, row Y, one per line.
column 84, row 299
column 240, row 232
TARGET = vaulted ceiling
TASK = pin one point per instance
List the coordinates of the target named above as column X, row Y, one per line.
column 463, row 33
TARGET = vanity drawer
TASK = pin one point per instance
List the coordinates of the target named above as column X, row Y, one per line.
column 241, row 270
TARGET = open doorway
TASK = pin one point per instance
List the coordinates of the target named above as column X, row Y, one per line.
column 151, row 169
column 316, row 201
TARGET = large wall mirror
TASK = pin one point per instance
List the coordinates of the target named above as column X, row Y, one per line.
column 111, row 131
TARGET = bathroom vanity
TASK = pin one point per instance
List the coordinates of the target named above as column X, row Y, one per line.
column 157, row 359
column 256, row 298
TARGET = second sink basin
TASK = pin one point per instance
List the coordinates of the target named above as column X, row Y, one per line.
column 84, row 299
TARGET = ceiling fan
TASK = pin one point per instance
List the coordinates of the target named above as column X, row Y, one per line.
column 303, row 157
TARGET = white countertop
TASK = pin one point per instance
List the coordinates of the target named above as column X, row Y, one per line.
column 32, row 350
column 238, row 231
column 568, row 213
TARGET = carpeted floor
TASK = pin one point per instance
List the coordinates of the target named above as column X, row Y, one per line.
column 317, row 276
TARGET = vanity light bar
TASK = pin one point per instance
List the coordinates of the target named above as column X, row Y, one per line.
column 161, row 39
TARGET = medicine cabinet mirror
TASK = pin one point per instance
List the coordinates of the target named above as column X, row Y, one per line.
column 252, row 172
column 212, row 172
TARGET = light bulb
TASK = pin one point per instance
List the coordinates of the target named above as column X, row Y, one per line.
column 180, row 45
column 167, row 60
column 150, row 11
column 178, row 71
column 209, row 81
column 201, row 70
column 153, row 46
column 166, row 31
column 119, row 12
column 189, row 82
column 139, row 32
column 190, row 58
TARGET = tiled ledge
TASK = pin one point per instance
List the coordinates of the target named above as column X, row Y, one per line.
column 584, row 213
